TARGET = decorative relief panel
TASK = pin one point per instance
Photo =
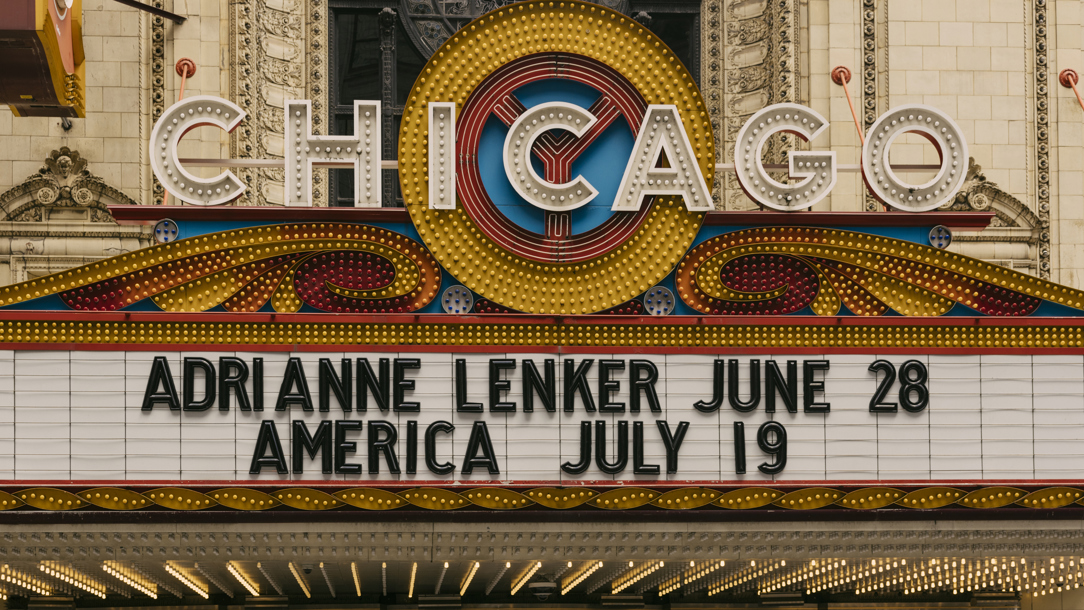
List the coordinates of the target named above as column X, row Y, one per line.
column 750, row 60
column 268, row 52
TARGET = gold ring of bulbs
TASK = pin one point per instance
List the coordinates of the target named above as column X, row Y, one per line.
column 458, row 243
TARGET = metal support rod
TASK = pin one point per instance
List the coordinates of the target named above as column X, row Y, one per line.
column 841, row 76
column 174, row 17
column 1069, row 78
column 185, row 67
column 394, row 164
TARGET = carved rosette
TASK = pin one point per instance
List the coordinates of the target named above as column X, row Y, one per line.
column 63, row 182
column 750, row 59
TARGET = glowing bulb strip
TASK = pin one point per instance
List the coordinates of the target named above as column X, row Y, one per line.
column 470, row 576
column 188, row 582
column 73, row 577
column 300, row 579
column 19, row 579
column 562, row 570
column 413, row 576
column 636, row 576
column 493, row 581
column 571, row 582
column 383, row 579
column 440, row 579
column 253, row 588
column 117, row 571
column 526, row 577
column 327, row 579
column 691, row 575
column 274, row 582
column 214, row 580
column 357, row 581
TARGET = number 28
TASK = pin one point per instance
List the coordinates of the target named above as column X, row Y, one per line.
column 914, row 396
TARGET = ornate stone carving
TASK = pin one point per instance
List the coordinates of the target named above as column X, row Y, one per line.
column 874, row 70
column 63, row 182
column 271, row 60
column 1013, row 223
column 158, row 83
column 1042, row 135
column 750, row 58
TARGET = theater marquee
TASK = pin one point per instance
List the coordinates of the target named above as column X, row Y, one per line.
column 557, row 316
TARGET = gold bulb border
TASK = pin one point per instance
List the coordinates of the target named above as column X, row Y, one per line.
column 508, row 499
column 460, row 65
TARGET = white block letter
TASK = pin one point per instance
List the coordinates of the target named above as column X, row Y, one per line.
column 188, row 114
column 662, row 131
column 304, row 150
column 816, row 169
column 517, row 156
column 945, row 136
column 442, row 155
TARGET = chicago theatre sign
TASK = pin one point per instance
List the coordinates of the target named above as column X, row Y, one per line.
column 558, row 317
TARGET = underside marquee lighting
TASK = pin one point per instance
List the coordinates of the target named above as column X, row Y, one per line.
column 253, row 588
column 175, row 572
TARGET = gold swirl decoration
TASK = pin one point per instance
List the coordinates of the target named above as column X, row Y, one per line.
column 460, row 242
column 781, row 270
column 341, row 268
column 554, row 498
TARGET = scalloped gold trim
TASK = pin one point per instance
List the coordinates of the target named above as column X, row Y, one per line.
column 559, row 498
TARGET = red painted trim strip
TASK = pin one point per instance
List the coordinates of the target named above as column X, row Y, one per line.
column 957, row 221
column 150, row 214
column 462, row 485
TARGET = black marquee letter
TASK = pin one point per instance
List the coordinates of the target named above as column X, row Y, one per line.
column 384, row 445
column 343, row 446
column 461, row 404
column 161, row 376
column 401, row 384
column 717, row 388
column 412, row 447
column 672, row 442
column 295, row 376
column 317, row 443
column 810, row 385
column 368, row 380
column 585, row 452
column 437, row 427
column 342, row 386
column 576, row 381
column 533, row 382
column 754, row 386
column 622, row 458
column 638, row 466
column 498, row 385
column 268, row 439
column 479, row 441
column 775, row 383
column 190, row 367
column 645, row 385
column 232, row 373
column 607, row 386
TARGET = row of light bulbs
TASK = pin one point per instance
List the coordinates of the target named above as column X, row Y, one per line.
column 72, row 576
column 1037, row 577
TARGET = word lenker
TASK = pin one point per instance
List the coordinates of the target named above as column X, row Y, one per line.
column 387, row 386
column 661, row 134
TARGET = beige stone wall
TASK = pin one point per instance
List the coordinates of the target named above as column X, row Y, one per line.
column 974, row 59
column 117, row 44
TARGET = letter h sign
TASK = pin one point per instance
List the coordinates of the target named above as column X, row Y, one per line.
column 360, row 151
